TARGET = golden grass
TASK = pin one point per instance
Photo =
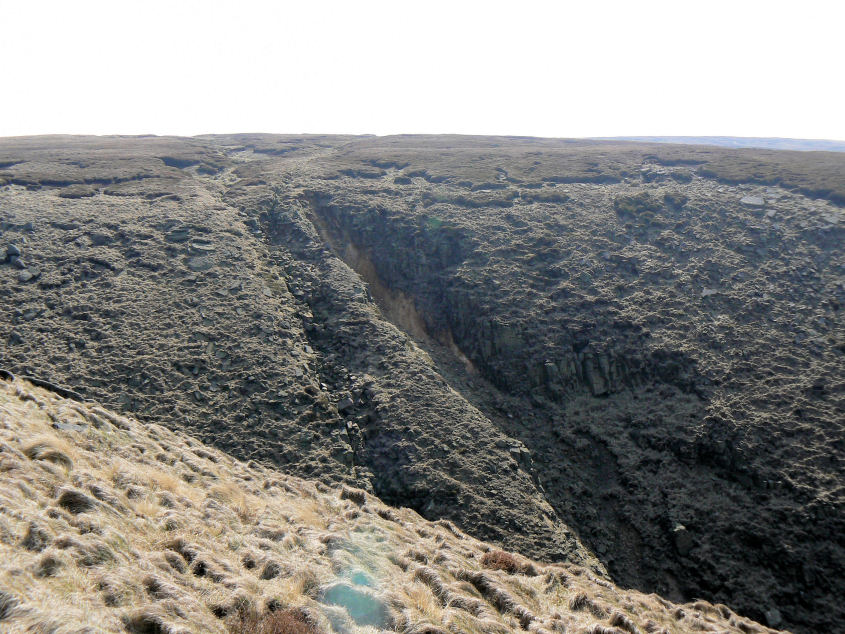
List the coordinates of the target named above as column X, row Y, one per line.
column 164, row 480
column 147, row 507
column 246, row 506
column 154, row 552
column 421, row 603
column 48, row 447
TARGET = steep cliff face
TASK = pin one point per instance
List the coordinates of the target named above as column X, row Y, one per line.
column 421, row 259
column 626, row 355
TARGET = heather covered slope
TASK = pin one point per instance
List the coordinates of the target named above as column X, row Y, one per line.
column 110, row 525
column 632, row 350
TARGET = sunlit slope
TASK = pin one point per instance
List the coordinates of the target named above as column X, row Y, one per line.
column 107, row 524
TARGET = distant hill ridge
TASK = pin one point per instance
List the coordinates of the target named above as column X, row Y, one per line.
column 770, row 143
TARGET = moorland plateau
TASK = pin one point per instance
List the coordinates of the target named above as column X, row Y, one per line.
column 622, row 357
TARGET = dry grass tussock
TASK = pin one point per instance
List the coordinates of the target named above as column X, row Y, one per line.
column 110, row 525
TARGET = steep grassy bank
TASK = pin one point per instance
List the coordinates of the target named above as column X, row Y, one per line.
column 110, row 525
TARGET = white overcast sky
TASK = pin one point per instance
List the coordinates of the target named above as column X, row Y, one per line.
column 561, row 69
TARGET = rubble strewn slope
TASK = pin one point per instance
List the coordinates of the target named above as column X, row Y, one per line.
column 626, row 356
column 110, row 525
